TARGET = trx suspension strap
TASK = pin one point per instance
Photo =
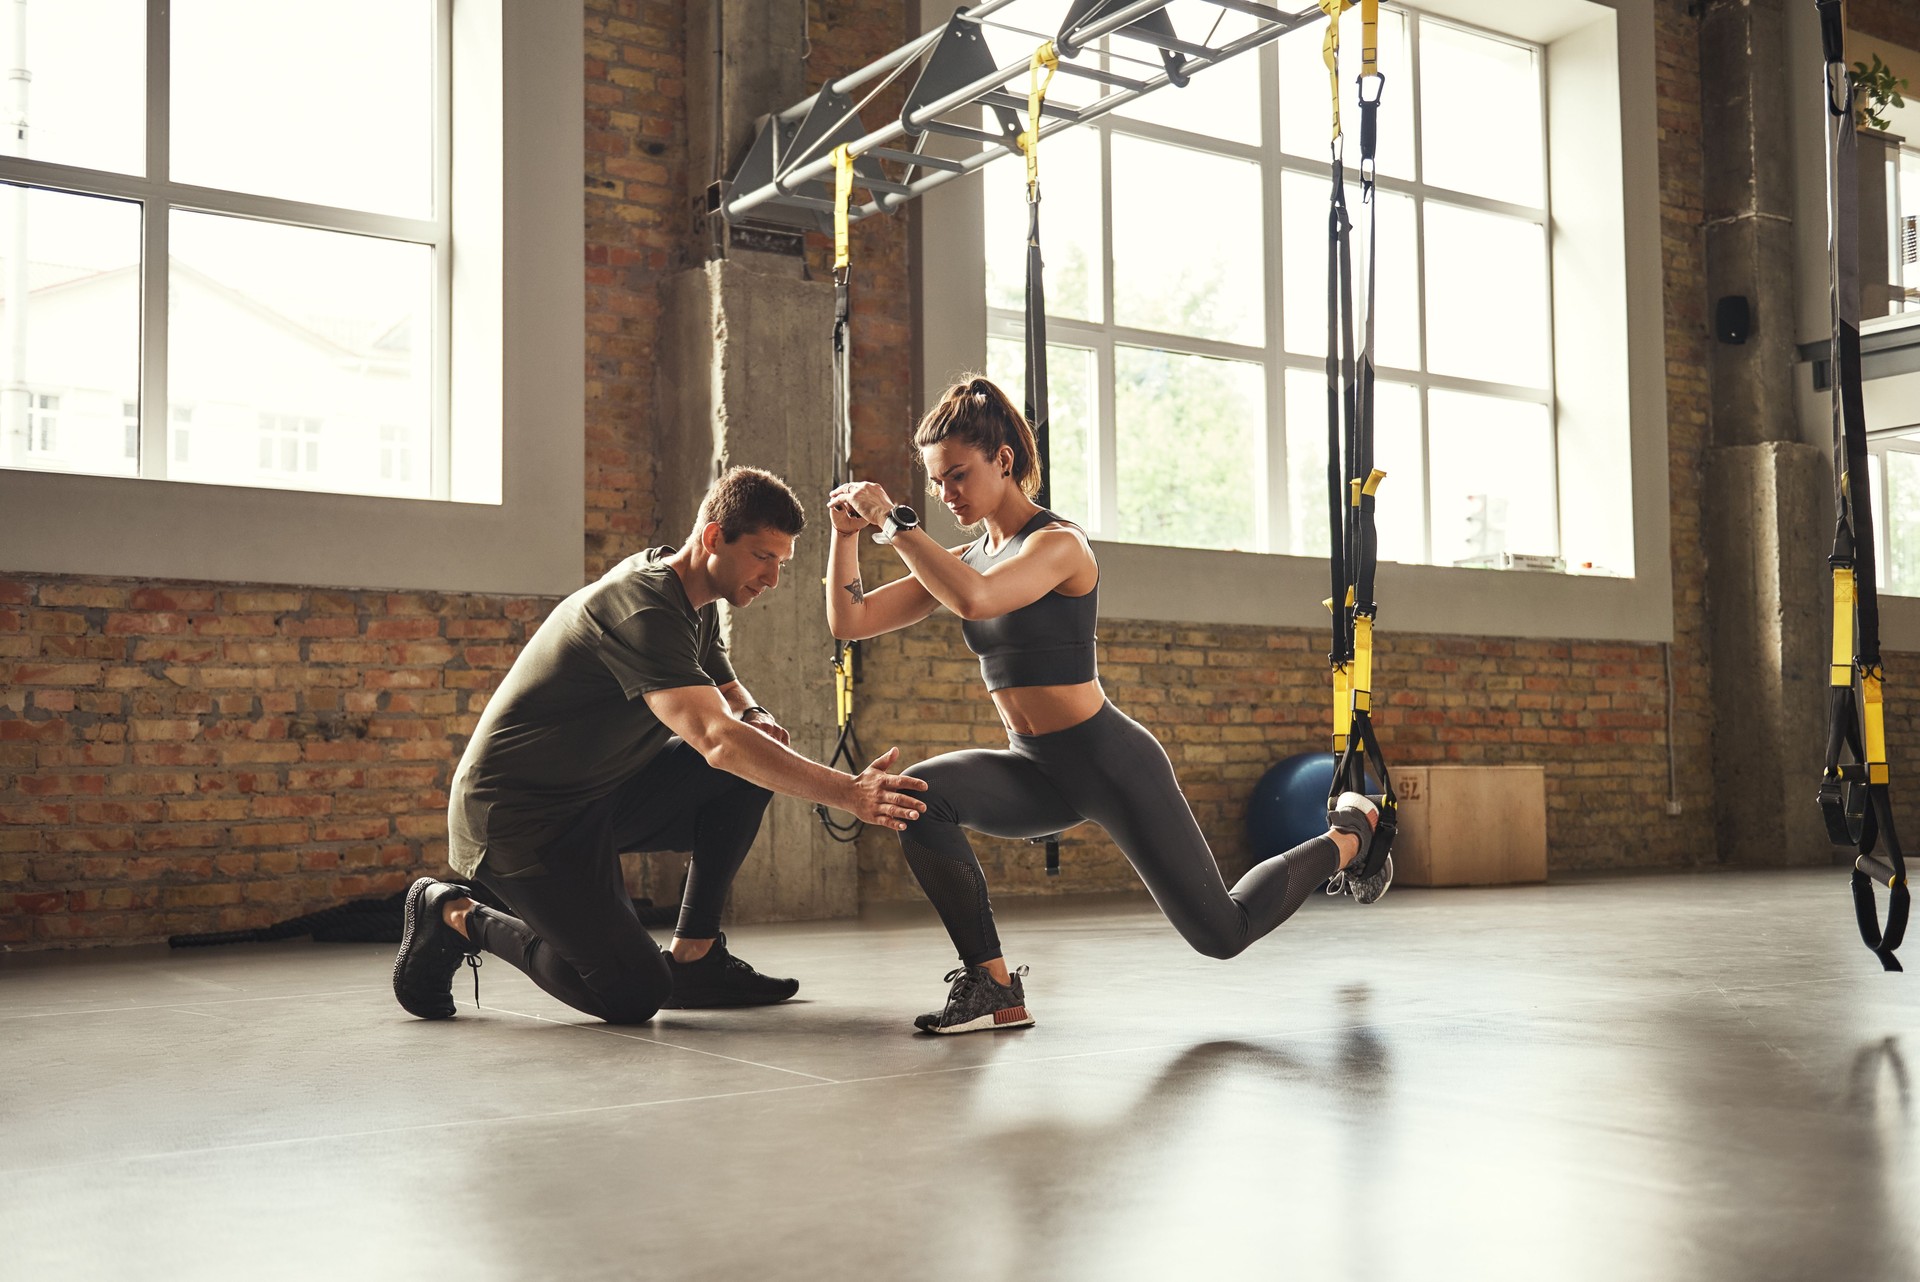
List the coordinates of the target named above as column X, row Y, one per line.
column 846, row 750
column 1046, row 60
column 1352, row 479
column 1854, row 796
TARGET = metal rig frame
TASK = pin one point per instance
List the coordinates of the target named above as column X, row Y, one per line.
column 785, row 178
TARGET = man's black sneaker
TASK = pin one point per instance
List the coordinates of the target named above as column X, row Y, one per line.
column 430, row 951
column 721, row 979
column 978, row 1002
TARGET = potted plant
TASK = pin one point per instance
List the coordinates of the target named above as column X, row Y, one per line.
column 1875, row 88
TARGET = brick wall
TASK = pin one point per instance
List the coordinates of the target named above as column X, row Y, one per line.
column 203, row 757
column 638, row 231
column 882, row 321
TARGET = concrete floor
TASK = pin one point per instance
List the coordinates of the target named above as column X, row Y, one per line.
column 1672, row 1077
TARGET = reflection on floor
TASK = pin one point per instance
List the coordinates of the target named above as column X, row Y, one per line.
column 1665, row 1077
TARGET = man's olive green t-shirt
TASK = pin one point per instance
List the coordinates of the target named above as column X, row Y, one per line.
column 569, row 725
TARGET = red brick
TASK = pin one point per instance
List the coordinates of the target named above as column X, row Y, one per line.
column 173, row 599
column 80, row 839
column 269, row 834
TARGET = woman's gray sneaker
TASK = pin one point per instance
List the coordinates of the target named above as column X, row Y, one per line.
column 978, row 1003
column 1354, row 816
column 1363, row 890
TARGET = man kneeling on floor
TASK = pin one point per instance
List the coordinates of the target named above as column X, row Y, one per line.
column 622, row 727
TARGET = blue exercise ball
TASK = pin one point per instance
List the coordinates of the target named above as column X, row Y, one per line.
column 1289, row 804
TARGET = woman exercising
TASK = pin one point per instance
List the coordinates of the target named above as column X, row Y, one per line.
column 1025, row 591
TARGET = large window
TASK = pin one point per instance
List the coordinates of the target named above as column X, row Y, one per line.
column 224, row 242
column 1186, row 241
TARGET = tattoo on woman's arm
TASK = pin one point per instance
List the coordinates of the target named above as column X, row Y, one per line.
column 854, row 590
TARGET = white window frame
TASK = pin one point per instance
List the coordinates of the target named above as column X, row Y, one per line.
column 1272, row 500
column 514, row 522
column 158, row 196
column 1610, row 375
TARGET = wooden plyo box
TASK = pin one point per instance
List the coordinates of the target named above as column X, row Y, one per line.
column 1470, row 825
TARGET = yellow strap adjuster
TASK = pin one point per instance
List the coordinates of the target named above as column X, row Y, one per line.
column 1330, row 54
column 1362, row 663
column 1342, row 706
column 1845, row 592
column 1369, row 38
column 843, row 689
column 842, row 196
column 1044, row 58
column 1873, row 723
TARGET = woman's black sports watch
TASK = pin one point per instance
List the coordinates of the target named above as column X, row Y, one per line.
column 900, row 518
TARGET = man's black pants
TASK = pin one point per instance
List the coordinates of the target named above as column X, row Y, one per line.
column 573, row 928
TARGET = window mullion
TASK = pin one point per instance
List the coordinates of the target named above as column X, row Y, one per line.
column 440, row 437
column 1553, row 353
column 1420, row 296
column 1106, row 487
column 155, row 416
column 1274, row 507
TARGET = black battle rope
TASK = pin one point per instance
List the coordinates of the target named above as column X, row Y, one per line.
column 1854, row 798
column 1352, row 479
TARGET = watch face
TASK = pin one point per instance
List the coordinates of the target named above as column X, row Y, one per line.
column 905, row 516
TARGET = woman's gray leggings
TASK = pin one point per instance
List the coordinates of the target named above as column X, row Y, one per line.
column 1109, row 769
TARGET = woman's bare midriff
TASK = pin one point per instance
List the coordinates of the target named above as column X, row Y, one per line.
column 1032, row 710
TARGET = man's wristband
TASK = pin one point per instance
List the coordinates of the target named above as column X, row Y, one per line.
column 749, row 711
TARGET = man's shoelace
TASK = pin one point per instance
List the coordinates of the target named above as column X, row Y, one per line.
column 473, row 964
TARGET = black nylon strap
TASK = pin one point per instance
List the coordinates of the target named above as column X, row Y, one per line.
column 1339, row 409
column 1036, row 340
column 1857, row 808
column 1036, row 407
column 1353, row 553
column 846, row 750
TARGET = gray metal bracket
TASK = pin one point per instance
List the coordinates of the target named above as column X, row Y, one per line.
column 786, row 177
column 959, row 59
column 1156, row 27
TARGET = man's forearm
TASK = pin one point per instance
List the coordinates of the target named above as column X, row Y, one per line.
column 741, row 750
column 738, row 697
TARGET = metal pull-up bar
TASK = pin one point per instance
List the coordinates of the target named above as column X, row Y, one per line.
column 783, row 178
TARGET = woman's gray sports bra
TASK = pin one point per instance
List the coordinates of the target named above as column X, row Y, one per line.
column 1047, row 643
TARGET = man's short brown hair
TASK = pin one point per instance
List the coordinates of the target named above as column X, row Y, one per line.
column 746, row 499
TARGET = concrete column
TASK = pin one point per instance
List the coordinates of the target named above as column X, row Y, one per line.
column 1767, row 509
column 745, row 373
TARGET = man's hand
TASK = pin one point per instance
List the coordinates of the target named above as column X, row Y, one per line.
column 884, row 799
column 763, row 722
column 868, row 500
